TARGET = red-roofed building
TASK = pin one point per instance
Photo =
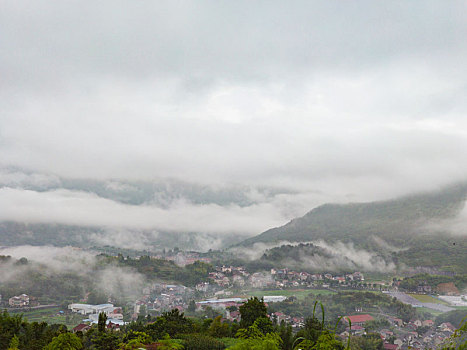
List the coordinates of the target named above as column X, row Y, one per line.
column 355, row 327
column 428, row 323
column 356, row 330
column 82, row 327
column 447, row 327
column 388, row 346
column 235, row 315
column 358, row 320
column 113, row 326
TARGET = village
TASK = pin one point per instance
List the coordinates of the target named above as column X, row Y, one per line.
column 228, row 287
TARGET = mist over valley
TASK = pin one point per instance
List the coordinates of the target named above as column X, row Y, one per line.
column 233, row 175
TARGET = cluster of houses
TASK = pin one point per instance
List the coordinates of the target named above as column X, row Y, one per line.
column 19, row 301
column 400, row 335
column 416, row 334
column 226, row 276
column 237, row 276
column 295, row 322
column 114, row 314
column 183, row 258
column 286, row 278
column 161, row 297
column 217, row 294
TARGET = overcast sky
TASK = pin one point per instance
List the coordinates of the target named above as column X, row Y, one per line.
column 332, row 100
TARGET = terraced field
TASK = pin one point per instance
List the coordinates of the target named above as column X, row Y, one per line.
column 52, row 316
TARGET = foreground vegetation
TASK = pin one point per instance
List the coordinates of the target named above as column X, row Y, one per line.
column 173, row 330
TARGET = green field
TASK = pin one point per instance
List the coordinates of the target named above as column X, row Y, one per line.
column 52, row 316
column 431, row 311
column 299, row 293
column 428, row 299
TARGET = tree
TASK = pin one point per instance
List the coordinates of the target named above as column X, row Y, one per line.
column 271, row 341
column 106, row 341
column 14, row 343
column 101, row 322
column 9, row 326
column 65, row 341
column 191, row 306
column 169, row 344
column 251, row 332
column 264, row 325
column 135, row 340
column 285, row 332
column 326, row 341
column 218, row 329
column 311, row 330
column 143, row 310
column 251, row 310
column 210, row 312
column 370, row 341
column 202, row 342
column 171, row 323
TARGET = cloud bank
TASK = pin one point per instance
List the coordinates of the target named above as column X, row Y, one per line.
column 336, row 256
column 47, row 260
column 78, row 208
column 331, row 101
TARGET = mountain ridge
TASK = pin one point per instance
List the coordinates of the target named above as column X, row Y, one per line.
column 403, row 223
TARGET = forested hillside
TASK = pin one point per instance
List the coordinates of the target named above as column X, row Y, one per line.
column 401, row 227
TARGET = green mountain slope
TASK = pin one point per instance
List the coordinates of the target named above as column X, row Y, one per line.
column 401, row 223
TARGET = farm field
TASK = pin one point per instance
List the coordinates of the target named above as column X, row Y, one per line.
column 428, row 299
column 52, row 316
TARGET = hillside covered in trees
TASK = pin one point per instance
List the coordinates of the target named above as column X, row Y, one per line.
column 402, row 229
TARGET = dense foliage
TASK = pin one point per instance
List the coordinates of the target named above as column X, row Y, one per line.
column 411, row 283
column 173, row 330
column 31, row 336
column 154, row 269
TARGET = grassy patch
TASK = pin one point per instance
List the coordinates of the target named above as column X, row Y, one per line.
column 428, row 299
column 52, row 316
column 431, row 311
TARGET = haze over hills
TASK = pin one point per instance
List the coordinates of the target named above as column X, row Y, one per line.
column 405, row 225
column 46, row 209
column 404, row 228
column 140, row 136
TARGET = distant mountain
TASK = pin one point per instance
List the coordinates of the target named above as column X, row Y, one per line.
column 14, row 234
column 399, row 228
column 159, row 192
